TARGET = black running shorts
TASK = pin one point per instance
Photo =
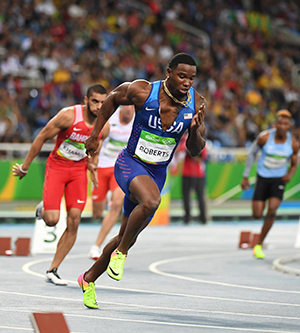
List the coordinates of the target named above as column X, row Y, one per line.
column 266, row 188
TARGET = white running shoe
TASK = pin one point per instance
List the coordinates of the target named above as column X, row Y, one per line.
column 38, row 210
column 94, row 252
column 53, row 277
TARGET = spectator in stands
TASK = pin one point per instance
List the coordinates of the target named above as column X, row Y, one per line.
column 244, row 63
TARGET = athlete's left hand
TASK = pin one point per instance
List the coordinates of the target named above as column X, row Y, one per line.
column 94, row 174
column 286, row 178
column 199, row 116
column 16, row 170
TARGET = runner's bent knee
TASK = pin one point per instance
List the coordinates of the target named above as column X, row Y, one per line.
column 151, row 205
column 51, row 218
column 257, row 215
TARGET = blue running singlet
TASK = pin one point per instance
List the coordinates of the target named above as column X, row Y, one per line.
column 150, row 149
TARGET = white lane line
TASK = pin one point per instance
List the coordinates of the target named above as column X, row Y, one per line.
column 280, row 265
column 184, row 324
column 167, row 308
column 150, row 307
column 26, row 268
column 153, row 268
column 16, row 328
column 154, row 322
column 38, row 296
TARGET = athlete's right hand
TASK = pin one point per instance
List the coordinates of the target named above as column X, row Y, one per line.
column 245, row 184
column 16, row 170
column 91, row 145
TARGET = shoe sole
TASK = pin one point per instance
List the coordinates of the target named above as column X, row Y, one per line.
column 52, row 282
column 256, row 257
column 56, row 284
column 90, row 307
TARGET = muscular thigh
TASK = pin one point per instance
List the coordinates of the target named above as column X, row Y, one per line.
column 139, row 182
column 54, row 184
column 76, row 189
column 258, row 207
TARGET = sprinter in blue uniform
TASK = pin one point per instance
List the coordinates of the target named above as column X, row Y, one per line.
column 164, row 111
column 275, row 167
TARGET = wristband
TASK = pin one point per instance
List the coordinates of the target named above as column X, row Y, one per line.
column 23, row 170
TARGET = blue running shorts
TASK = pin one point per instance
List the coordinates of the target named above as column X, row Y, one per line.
column 127, row 168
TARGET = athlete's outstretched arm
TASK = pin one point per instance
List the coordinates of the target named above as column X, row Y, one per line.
column 127, row 93
column 61, row 121
column 256, row 146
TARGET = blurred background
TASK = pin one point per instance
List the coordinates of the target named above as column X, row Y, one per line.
column 248, row 62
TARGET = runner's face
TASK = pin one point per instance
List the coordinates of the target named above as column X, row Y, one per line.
column 181, row 79
column 283, row 124
column 94, row 103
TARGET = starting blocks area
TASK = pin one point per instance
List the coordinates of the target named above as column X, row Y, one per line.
column 248, row 240
column 21, row 248
column 51, row 322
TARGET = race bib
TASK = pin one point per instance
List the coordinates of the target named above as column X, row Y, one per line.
column 152, row 148
column 274, row 161
column 113, row 148
column 71, row 150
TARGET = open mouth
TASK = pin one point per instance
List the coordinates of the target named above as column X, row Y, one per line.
column 183, row 91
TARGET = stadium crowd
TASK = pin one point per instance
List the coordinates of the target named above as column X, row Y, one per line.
column 51, row 51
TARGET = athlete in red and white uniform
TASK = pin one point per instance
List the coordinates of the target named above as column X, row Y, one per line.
column 120, row 128
column 66, row 169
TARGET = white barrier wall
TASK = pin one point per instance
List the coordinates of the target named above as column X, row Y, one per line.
column 45, row 238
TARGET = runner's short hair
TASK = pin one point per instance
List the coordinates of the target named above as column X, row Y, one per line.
column 181, row 58
column 284, row 113
column 96, row 88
